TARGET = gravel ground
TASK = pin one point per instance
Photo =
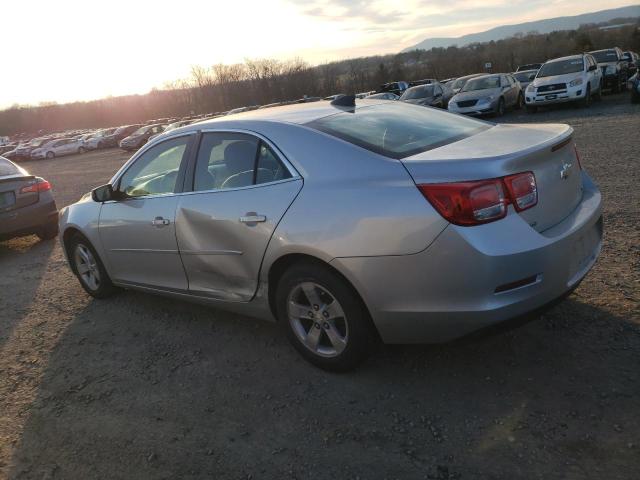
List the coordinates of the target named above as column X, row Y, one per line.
column 145, row 387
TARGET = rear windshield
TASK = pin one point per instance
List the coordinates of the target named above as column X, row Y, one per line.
column 7, row 168
column 413, row 93
column 398, row 130
column 604, row 56
column 561, row 68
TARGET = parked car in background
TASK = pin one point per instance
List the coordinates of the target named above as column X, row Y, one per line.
column 364, row 94
column 503, row 213
column 615, row 69
column 140, row 137
column 424, row 81
column 23, row 151
column 529, row 66
column 113, row 139
column 525, row 77
column 172, row 126
column 633, row 61
column 95, row 141
column 634, row 87
column 488, row 94
column 428, row 95
column 394, row 87
column 59, row 148
column 575, row 78
column 27, row 206
column 459, row 82
column 383, row 96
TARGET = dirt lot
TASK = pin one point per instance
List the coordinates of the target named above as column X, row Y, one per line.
column 140, row 387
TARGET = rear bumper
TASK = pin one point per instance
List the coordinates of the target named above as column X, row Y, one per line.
column 449, row 289
column 30, row 219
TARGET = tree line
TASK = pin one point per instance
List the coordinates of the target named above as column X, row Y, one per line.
column 221, row 87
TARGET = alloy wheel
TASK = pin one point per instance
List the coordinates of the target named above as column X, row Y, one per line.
column 87, row 267
column 317, row 319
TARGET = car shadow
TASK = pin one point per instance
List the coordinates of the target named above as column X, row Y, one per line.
column 147, row 387
column 24, row 258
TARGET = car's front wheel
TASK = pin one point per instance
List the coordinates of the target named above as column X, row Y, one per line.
column 81, row 150
column 50, row 155
column 501, row 108
column 89, row 269
column 520, row 102
column 586, row 101
column 324, row 318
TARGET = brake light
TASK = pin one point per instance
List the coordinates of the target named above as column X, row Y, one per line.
column 522, row 190
column 468, row 203
column 39, row 185
column 482, row 201
column 575, row 149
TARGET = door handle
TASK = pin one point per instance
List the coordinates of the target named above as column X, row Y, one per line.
column 160, row 222
column 252, row 217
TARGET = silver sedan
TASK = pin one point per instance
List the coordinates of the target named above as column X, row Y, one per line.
column 347, row 223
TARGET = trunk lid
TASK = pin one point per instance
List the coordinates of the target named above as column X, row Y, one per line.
column 547, row 150
column 10, row 196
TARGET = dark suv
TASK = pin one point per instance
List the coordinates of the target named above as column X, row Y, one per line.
column 615, row 69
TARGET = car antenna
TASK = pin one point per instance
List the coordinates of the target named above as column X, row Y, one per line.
column 344, row 101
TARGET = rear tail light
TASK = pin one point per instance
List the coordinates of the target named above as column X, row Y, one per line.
column 38, row 185
column 483, row 201
column 575, row 149
column 522, row 190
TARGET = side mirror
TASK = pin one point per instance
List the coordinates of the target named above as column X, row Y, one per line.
column 102, row 193
column 592, row 68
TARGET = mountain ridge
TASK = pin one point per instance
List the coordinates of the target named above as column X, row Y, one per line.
column 546, row 25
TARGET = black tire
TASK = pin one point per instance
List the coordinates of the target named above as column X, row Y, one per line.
column 586, row 101
column 105, row 288
column 361, row 336
column 81, row 150
column 501, row 107
column 532, row 109
column 50, row 155
column 48, row 232
column 520, row 103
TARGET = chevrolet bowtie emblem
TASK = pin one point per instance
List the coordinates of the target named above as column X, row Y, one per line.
column 564, row 172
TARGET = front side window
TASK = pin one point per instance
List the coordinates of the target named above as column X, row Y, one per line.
column 233, row 160
column 155, row 172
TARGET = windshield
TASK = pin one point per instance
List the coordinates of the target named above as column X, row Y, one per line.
column 398, row 129
column 604, row 56
column 140, row 131
column 525, row 76
column 561, row 68
column 482, row 83
column 418, row 92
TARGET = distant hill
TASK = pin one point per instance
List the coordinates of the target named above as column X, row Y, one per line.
column 540, row 26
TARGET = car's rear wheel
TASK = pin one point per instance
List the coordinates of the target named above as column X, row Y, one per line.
column 324, row 318
column 50, row 155
column 89, row 269
column 49, row 231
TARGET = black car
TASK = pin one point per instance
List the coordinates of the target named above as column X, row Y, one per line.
column 615, row 69
column 394, row 87
column 633, row 60
column 140, row 136
column 424, row 81
column 113, row 139
column 634, row 86
column 26, row 204
column 429, row 95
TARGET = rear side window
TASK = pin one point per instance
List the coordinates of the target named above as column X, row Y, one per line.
column 398, row 130
column 7, row 168
column 234, row 160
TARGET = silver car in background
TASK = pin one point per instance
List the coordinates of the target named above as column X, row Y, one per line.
column 347, row 223
column 59, row 148
column 525, row 77
column 488, row 95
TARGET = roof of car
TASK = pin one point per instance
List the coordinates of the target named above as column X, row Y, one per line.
column 299, row 113
column 568, row 57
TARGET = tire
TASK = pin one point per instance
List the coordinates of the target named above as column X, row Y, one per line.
column 89, row 269
column 316, row 304
column 81, row 150
column 48, row 232
column 500, row 110
column 531, row 109
column 598, row 96
column 520, row 103
column 50, row 155
column 586, row 101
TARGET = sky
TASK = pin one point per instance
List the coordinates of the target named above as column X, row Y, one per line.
column 68, row 50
